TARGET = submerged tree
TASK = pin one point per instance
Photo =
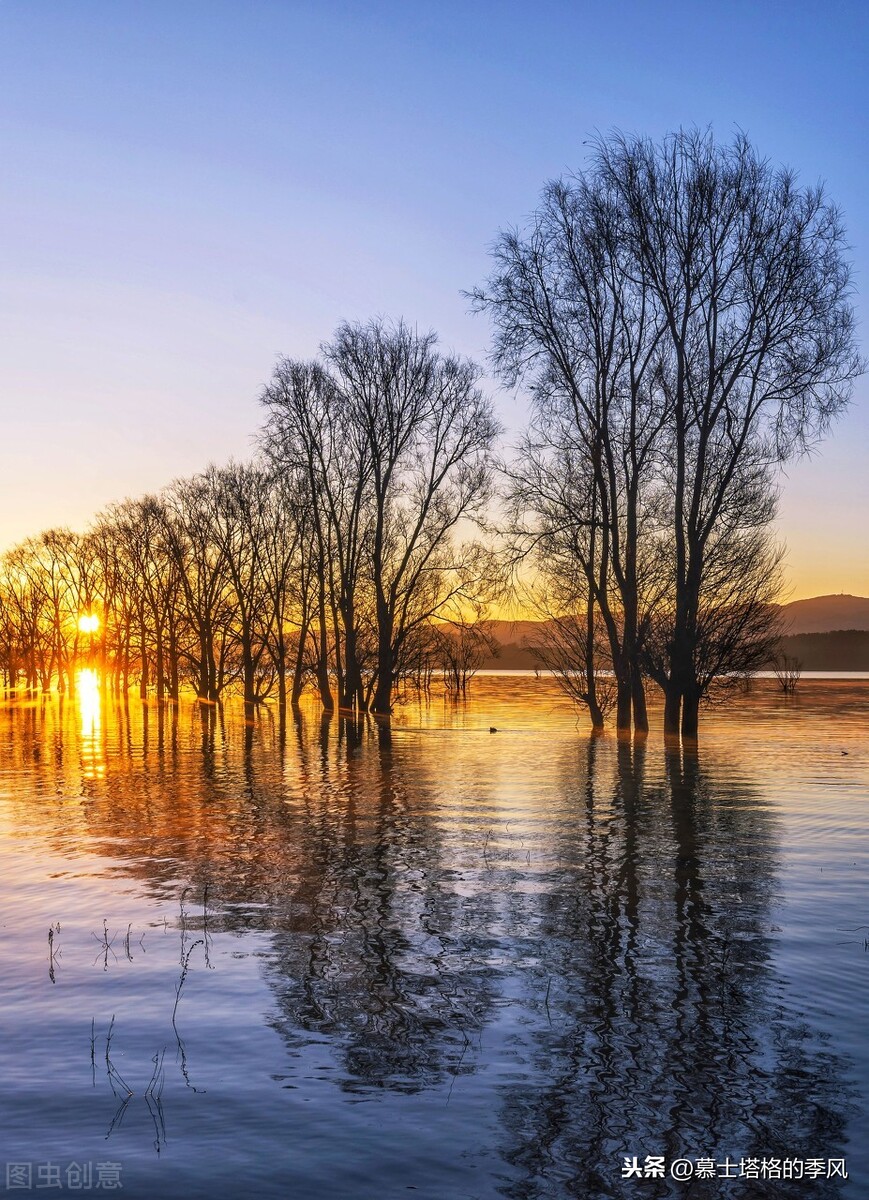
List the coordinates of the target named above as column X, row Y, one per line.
column 556, row 528
column 335, row 557
column 750, row 274
column 394, row 441
column 788, row 671
column 308, row 438
column 573, row 322
column 683, row 312
column 462, row 644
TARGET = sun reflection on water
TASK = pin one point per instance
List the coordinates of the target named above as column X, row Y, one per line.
column 90, row 717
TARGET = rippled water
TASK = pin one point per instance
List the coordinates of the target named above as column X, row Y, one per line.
column 453, row 964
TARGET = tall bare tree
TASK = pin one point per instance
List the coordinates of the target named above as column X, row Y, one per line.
column 572, row 321
column 205, row 584
column 394, row 441
column 426, row 431
column 308, row 436
column 688, row 306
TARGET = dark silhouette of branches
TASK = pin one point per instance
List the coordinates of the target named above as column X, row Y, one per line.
column 332, row 558
column 681, row 314
column 394, row 441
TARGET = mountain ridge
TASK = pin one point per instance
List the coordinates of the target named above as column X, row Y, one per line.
column 825, row 632
column 824, row 614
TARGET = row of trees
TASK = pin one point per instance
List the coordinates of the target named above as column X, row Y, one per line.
column 680, row 316
column 334, row 558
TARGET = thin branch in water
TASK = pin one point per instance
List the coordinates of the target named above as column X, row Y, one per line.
column 106, row 942
column 205, row 932
column 117, row 1119
column 182, row 1051
column 115, row 1077
column 53, row 954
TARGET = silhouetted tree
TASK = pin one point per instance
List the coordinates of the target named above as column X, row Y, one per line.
column 681, row 313
column 308, row 436
column 749, row 276
column 462, row 645
column 553, row 503
column 572, row 321
column 394, row 441
column 787, row 669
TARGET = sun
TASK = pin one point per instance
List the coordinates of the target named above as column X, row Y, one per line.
column 88, row 623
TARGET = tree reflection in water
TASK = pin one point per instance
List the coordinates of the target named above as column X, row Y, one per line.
column 668, row 1035
column 643, row 958
column 369, row 954
column 575, row 943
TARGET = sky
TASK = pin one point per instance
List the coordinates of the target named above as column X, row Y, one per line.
column 193, row 188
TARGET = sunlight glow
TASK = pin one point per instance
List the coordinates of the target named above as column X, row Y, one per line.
column 88, row 623
column 90, row 714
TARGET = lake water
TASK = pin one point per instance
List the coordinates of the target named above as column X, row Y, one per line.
column 459, row 964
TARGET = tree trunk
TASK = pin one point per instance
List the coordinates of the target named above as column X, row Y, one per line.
column 638, row 698
column 672, row 708
column 173, row 662
column 382, row 702
column 143, row 651
column 594, row 712
column 690, row 714
column 351, row 693
column 160, row 664
column 326, row 698
column 281, row 668
column 247, row 664
column 623, row 700
column 594, row 709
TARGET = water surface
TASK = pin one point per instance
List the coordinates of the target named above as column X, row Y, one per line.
column 449, row 963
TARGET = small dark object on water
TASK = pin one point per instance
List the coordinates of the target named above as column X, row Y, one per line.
column 492, row 729
column 845, row 752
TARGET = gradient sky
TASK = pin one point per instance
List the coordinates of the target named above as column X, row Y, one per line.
column 192, row 188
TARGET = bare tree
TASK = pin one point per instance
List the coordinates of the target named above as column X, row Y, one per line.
column 749, row 274
column 288, row 571
column 739, row 622
column 140, row 583
column 28, row 620
column 788, row 670
column 236, row 515
column 571, row 641
column 427, row 432
column 684, row 308
column 556, row 529
column 309, row 437
column 205, row 585
column 394, row 442
column 462, row 645
column 572, row 320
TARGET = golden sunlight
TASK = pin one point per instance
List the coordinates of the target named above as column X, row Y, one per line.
column 88, row 623
column 90, row 713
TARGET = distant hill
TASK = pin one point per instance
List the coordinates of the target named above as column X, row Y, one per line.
column 826, row 633
column 821, row 614
column 511, row 638
column 837, row 650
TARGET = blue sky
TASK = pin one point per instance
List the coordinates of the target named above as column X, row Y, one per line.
column 193, row 188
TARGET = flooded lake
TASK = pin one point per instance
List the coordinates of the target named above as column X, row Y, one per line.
column 446, row 964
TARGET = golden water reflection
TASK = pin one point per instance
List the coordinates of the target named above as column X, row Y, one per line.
column 89, row 700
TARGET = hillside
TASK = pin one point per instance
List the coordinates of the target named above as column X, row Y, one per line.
column 820, row 614
column 837, row 650
column 826, row 633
